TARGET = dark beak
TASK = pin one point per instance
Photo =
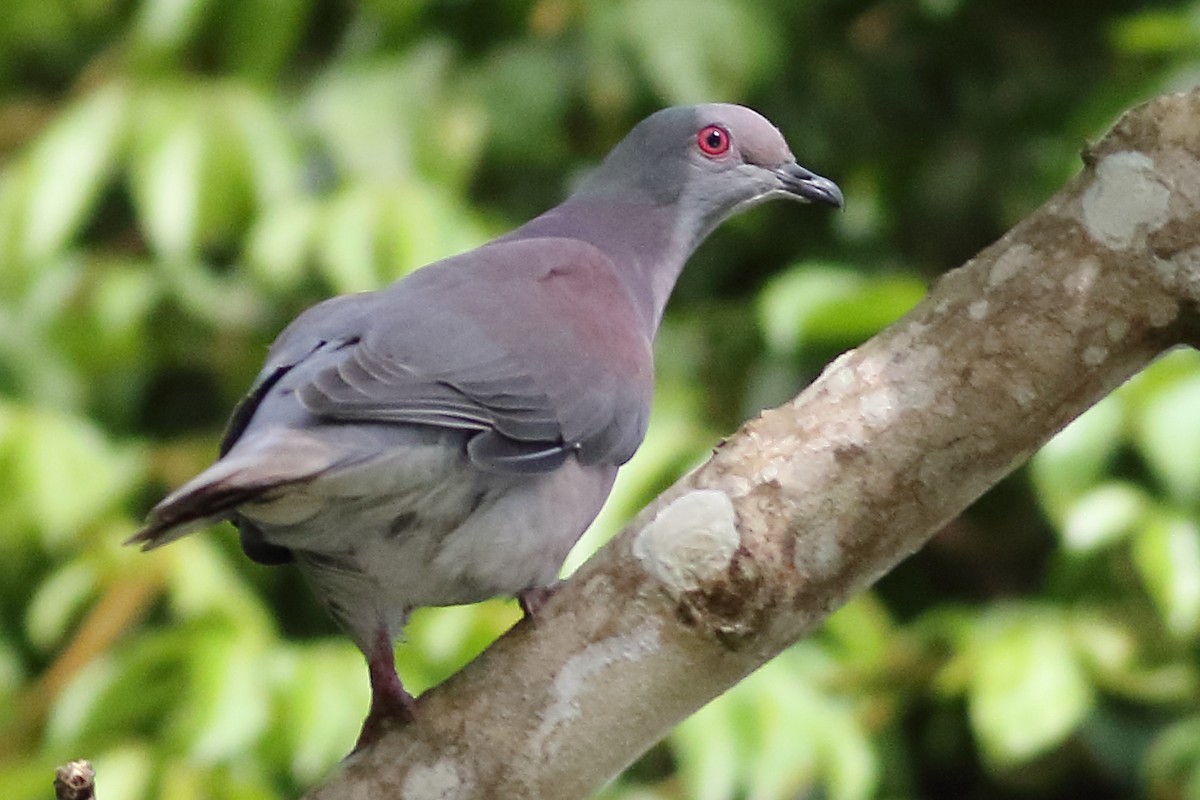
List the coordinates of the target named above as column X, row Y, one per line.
column 809, row 186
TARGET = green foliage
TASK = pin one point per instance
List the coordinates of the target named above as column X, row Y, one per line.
column 178, row 178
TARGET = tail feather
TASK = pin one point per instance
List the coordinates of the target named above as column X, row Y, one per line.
column 266, row 464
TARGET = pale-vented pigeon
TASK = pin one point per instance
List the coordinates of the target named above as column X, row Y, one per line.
column 448, row 438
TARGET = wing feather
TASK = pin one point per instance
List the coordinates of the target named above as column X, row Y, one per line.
column 533, row 344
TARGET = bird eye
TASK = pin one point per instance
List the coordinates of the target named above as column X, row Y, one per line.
column 713, row 141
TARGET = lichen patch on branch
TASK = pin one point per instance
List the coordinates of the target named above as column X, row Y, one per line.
column 440, row 780
column 578, row 675
column 1127, row 199
column 1010, row 264
column 690, row 542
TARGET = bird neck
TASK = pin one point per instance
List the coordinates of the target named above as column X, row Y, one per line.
column 644, row 241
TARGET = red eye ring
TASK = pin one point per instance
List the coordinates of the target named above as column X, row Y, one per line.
column 713, row 141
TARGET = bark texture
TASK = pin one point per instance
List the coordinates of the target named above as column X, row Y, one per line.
column 811, row 502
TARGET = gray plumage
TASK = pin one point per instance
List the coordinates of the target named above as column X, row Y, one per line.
column 448, row 438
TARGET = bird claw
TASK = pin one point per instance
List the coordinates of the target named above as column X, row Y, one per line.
column 387, row 713
column 533, row 599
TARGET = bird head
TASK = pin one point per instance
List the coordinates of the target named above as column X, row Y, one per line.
column 708, row 162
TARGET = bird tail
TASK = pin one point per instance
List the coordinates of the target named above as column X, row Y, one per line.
column 254, row 469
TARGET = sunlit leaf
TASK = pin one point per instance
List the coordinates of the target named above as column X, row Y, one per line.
column 1028, row 689
column 228, row 708
column 709, row 751
column 272, row 161
column 165, row 176
column 1159, row 32
column 831, row 304
column 125, row 772
column 123, row 294
column 372, row 116
column 281, row 242
column 58, row 601
column 863, row 628
column 168, row 24
column 68, row 168
column 324, row 697
column 777, row 735
column 1167, row 556
column 715, row 49
column 1104, row 516
column 67, row 471
column 348, row 244
column 1168, row 435
column 1071, row 462
column 202, row 582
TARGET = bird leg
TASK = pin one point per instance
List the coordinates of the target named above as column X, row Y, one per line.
column 534, row 598
column 390, row 704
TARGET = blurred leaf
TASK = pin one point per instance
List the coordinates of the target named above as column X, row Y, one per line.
column 1181, row 364
column 282, row 241
column 372, row 235
column 165, row 172
column 324, row 699
column 1028, row 690
column 1070, row 463
column 259, row 35
column 1104, row 516
column 227, row 709
column 267, row 143
column 1108, row 647
column 1167, row 557
column 124, row 772
column 1168, row 435
column 348, row 249
column 219, row 300
column 13, row 203
column 829, row 304
column 1115, row 657
column 709, row 751
column 863, row 629
column 26, row 779
column 514, row 88
column 396, row 119
column 1173, row 764
column 440, row 641
column 122, row 296
column 68, row 168
column 1159, row 31
column 202, row 583
column 57, row 603
column 39, row 372
column 166, row 25
column 63, row 469
column 715, row 50
column 775, row 735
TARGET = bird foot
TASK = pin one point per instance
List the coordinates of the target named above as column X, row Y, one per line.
column 391, row 706
column 386, row 714
column 533, row 599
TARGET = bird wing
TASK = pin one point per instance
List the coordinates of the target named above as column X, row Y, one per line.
column 533, row 345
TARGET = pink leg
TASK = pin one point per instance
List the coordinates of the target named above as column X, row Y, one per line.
column 390, row 704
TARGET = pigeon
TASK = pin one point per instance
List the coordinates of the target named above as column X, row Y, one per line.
column 448, row 438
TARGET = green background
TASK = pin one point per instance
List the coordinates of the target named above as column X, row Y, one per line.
column 179, row 178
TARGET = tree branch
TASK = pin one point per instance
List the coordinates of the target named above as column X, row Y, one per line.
column 812, row 502
column 75, row 780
